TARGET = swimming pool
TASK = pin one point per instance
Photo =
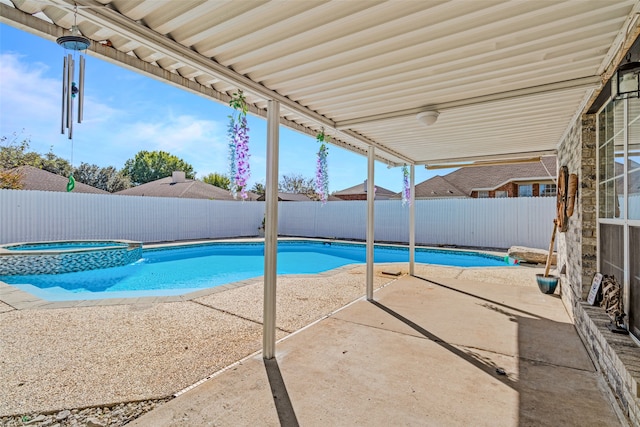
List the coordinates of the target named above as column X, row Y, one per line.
column 176, row 270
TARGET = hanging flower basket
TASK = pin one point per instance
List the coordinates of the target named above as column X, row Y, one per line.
column 238, row 136
column 406, row 190
column 322, row 172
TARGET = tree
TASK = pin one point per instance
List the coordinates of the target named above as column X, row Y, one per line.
column 107, row 178
column 88, row 174
column 117, row 181
column 149, row 166
column 54, row 164
column 258, row 188
column 298, row 184
column 14, row 153
column 10, row 179
column 218, row 179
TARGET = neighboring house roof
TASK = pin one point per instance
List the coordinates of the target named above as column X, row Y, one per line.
column 461, row 182
column 185, row 189
column 289, row 197
column 33, row 178
column 360, row 190
column 437, row 186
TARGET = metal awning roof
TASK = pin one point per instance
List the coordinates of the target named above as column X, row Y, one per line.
column 508, row 77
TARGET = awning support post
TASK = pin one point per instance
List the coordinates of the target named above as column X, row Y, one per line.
column 412, row 220
column 371, row 194
column 271, row 232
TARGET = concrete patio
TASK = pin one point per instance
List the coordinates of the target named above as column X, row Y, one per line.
column 471, row 347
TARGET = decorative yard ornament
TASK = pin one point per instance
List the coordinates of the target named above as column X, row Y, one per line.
column 322, row 172
column 238, row 135
column 70, row 90
column 612, row 302
column 71, row 184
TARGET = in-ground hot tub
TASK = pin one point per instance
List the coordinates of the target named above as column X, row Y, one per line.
column 66, row 256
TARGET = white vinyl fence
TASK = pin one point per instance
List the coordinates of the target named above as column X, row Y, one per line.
column 494, row 223
column 42, row 215
column 27, row 216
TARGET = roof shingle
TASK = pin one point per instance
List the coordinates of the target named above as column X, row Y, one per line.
column 188, row 189
column 33, row 178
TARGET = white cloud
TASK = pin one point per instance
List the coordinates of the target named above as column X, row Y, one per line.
column 26, row 92
column 111, row 131
column 199, row 142
column 31, row 100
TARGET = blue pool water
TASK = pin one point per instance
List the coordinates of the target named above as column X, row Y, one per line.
column 182, row 269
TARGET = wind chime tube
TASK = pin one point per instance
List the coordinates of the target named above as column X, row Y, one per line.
column 72, row 67
column 67, row 82
column 81, row 89
column 64, row 94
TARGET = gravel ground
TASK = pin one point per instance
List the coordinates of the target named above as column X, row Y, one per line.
column 117, row 415
column 94, row 361
column 59, row 359
column 300, row 300
column 5, row 307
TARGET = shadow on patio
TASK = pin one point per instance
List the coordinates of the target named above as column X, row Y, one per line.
column 425, row 352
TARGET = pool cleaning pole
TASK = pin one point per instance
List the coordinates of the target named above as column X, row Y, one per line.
column 271, row 232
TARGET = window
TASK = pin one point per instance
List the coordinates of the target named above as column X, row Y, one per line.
column 483, row 194
column 525, row 190
column 501, row 194
column 611, row 161
column 619, row 200
column 548, row 190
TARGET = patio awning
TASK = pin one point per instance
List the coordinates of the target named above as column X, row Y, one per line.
column 508, row 78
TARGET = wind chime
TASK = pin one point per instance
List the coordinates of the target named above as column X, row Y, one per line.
column 70, row 90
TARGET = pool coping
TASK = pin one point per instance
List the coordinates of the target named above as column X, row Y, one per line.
column 21, row 300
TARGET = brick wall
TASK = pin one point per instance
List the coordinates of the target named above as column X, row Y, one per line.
column 570, row 242
column 616, row 356
column 587, row 190
column 511, row 188
column 353, row 197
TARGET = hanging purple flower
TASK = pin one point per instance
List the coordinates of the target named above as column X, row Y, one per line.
column 238, row 136
column 232, row 154
column 243, row 171
column 406, row 190
column 322, row 170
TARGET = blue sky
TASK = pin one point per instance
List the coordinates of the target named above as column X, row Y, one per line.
column 126, row 112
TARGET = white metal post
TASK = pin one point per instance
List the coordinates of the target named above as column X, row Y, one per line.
column 271, row 232
column 370, row 224
column 412, row 220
